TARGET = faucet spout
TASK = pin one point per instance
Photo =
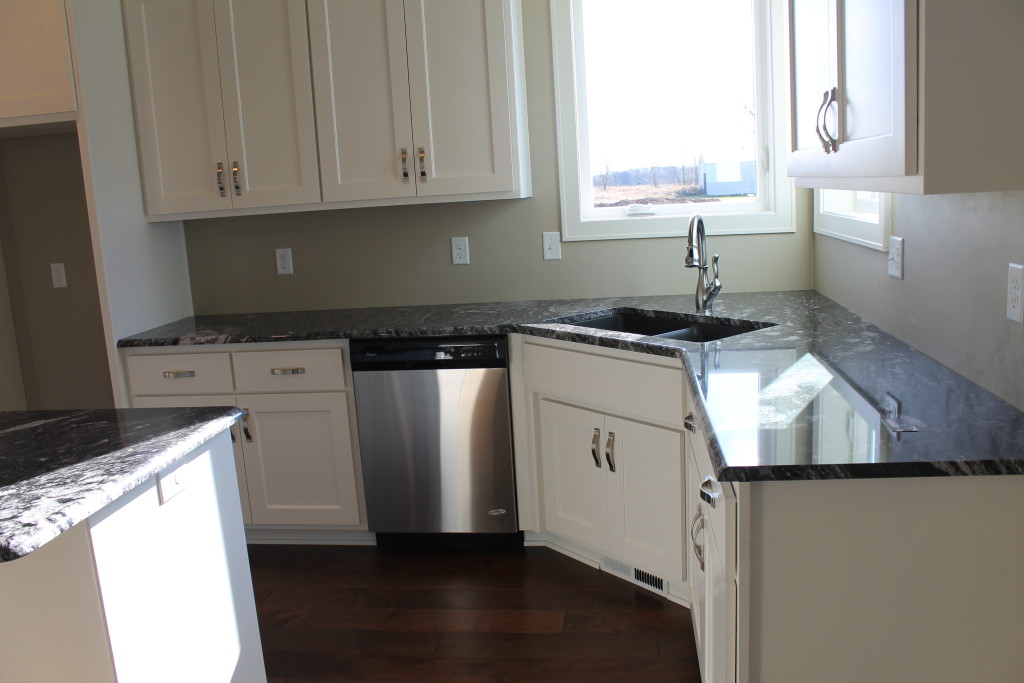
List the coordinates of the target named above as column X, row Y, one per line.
column 697, row 257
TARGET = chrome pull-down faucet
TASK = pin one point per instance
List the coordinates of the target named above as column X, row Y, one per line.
column 697, row 257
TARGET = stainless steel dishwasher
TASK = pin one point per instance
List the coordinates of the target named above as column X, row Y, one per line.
column 434, row 434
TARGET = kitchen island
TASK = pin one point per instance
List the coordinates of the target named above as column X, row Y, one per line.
column 835, row 493
column 122, row 548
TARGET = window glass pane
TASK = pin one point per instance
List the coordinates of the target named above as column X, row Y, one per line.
column 669, row 102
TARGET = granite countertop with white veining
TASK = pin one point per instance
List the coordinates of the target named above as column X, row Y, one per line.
column 803, row 394
column 58, row 467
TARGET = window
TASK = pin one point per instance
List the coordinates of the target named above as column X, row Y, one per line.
column 665, row 109
column 859, row 217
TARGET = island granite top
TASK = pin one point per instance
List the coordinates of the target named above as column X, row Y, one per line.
column 807, row 397
column 58, row 467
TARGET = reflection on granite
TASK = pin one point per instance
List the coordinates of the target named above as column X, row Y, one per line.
column 58, row 467
column 775, row 402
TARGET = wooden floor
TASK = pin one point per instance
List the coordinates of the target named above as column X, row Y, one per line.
column 344, row 613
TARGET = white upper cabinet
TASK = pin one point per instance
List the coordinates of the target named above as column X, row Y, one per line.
column 223, row 103
column 35, row 59
column 905, row 96
column 417, row 98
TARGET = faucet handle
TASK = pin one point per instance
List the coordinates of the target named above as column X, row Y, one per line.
column 714, row 269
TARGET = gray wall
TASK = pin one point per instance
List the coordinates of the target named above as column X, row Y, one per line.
column 12, row 390
column 401, row 255
column 44, row 220
column 951, row 303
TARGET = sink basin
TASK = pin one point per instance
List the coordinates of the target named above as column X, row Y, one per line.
column 664, row 324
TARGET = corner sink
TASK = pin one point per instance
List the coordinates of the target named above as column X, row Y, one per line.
column 664, row 324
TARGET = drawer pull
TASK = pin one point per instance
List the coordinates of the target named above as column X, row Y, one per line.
column 695, row 528
column 287, row 371
column 609, row 451
column 593, row 447
column 690, row 424
column 707, row 492
column 179, row 374
column 245, row 425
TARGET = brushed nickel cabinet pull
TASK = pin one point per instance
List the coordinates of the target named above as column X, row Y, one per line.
column 593, row 447
column 832, row 142
column 179, row 374
column 245, row 425
column 220, row 180
column 287, row 371
column 698, row 549
column 422, row 154
column 690, row 424
column 609, row 451
column 817, row 123
column 234, row 178
column 707, row 492
column 405, row 165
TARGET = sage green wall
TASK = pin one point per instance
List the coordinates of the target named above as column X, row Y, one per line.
column 951, row 303
column 401, row 255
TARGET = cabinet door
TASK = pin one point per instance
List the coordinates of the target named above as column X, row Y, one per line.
column 35, row 59
column 361, row 79
column 573, row 473
column 268, row 102
column 194, row 401
column 720, row 616
column 645, row 484
column 813, row 52
column 878, row 89
column 459, row 73
column 695, row 567
column 172, row 46
column 299, row 460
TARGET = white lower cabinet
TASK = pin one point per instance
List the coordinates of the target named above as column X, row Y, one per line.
column 614, row 485
column 298, row 459
column 294, row 449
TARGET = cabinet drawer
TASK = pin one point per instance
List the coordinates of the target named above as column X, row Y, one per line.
column 625, row 387
column 180, row 373
column 287, row 371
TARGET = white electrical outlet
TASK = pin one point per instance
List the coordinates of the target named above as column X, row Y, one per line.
column 896, row 257
column 57, row 274
column 552, row 246
column 460, row 251
column 1014, row 307
column 284, row 262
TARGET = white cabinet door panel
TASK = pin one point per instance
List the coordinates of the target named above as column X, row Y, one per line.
column 645, row 525
column 575, row 503
column 177, row 97
column 361, row 76
column 268, row 101
column 35, row 59
column 299, row 464
column 459, row 70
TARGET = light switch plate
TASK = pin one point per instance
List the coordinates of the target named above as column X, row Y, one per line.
column 1014, row 304
column 552, row 246
column 57, row 274
column 896, row 257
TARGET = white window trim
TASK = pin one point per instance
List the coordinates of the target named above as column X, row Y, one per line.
column 854, row 226
column 776, row 193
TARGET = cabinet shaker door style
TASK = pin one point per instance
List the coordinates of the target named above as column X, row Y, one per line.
column 223, row 103
column 854, row 76
column 35, row 59
column 575, row 503
column 645, row 483
column 268, row 102
column 460, row 67
column 172, row 46
column 362, row 99
column 298, row 459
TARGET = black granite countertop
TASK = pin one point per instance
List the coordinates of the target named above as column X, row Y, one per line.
column 58, row 467
column 803, row 398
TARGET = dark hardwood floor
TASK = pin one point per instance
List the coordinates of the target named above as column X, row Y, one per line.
column 344, row 613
